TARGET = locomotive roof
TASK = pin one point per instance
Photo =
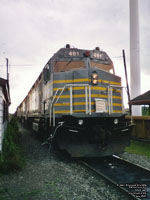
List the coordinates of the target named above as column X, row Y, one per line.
column 74, row 53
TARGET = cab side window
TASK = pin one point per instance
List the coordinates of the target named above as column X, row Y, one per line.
column 46, row 73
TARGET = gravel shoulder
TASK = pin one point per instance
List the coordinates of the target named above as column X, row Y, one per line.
column 49, row 176
column 140, row 160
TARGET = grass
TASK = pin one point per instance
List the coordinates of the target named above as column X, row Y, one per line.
column 138, row 147
column 11, row 158
column 30, row 194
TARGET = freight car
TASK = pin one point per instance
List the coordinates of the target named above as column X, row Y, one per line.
column 77, row 102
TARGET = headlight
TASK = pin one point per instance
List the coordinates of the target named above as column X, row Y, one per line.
column 94, row 78
column 94, row 82
column 116, row 121
column 80, row 122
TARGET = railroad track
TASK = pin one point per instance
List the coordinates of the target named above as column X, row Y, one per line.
column 132, row 179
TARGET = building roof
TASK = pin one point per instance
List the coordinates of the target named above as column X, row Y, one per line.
column 5, row 87
column 143, row 99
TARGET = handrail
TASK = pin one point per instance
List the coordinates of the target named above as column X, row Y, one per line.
column 56, row 99
column 110, row 99
column 87, row 99
column 50, row 113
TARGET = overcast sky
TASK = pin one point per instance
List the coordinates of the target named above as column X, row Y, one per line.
column 33, row 30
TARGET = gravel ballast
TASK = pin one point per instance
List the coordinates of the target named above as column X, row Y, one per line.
column 50, row 176
column 140, row 160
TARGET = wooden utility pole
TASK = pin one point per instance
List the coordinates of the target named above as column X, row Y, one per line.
column 126, row 76
column 7, row 69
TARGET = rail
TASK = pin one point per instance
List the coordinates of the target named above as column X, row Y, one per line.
column 132, row 179
column 61, row 90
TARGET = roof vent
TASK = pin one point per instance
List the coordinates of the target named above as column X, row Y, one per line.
column 97, row 48
column 68, row 46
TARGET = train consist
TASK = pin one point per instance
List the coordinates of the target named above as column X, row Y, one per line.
column 77, row 104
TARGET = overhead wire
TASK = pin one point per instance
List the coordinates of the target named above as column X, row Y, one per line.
column 4, row 65
column 24, row 65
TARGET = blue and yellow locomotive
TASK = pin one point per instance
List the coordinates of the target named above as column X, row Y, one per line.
column 77, row 101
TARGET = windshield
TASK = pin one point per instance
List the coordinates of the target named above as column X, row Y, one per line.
column 63, row 66
column 108, row 68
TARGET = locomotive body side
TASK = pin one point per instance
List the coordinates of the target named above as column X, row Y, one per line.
column 78, row 101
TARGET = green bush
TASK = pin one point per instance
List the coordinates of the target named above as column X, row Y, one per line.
column 11, row 157
column 139, row 147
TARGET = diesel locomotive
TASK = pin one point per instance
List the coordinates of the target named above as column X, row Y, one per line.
column 77, row 104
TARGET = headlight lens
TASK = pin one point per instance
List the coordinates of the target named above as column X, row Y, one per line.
column 95, row 82
column 116, row 121
column 94, row 78
column 80, row 122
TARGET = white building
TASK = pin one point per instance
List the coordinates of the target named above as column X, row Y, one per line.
column 4, row 104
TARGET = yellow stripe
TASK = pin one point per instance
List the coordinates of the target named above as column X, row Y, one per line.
column 83, row 88
column 75, row 104
column 79, row 111
column 115, row 83
column 71, row 81
column 68, row 96
column 103, row 88
column 83, row 95
column 109, row 82
column 74, row 88
column 68, row 111
column 62, row 111
column 62, row 81
column 81, row 103
column 93, row 88
column 62, row 104
column 86, row 80
column 117, row 111
column 105, row 96
column 117, row 104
